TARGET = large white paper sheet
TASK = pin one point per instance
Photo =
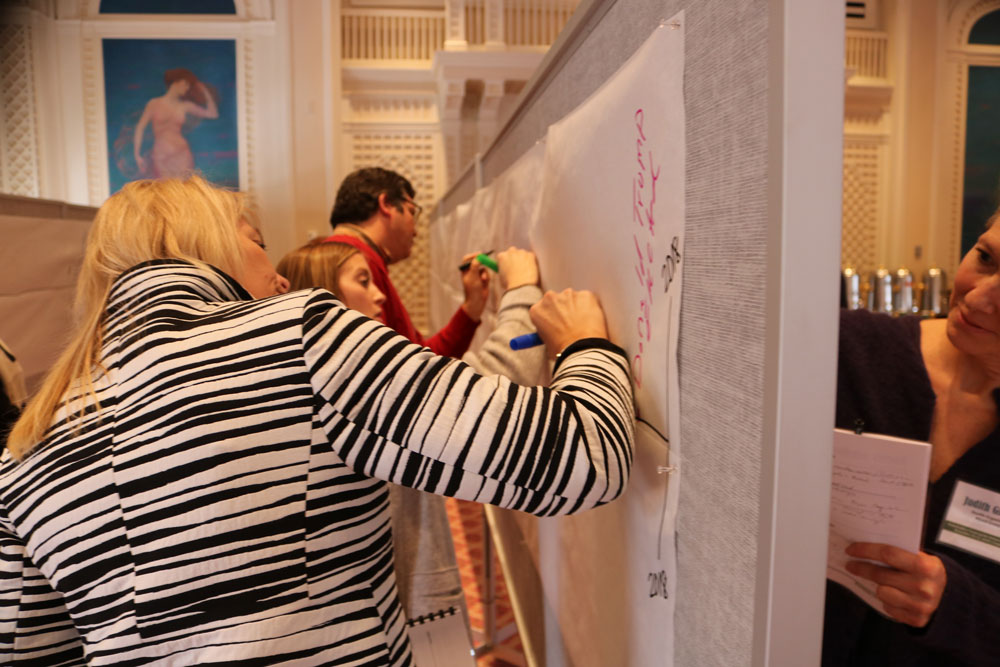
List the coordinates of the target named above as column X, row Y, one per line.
column 611, row 220
column 602, row 203
column 518, row 191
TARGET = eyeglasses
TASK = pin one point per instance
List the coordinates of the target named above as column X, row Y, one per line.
column 417, row 208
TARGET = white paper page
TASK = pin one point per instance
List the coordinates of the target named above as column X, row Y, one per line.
column 877, row 495
column 611, row 220
column 518, row 191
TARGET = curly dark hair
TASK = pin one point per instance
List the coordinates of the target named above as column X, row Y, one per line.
column 357, row 198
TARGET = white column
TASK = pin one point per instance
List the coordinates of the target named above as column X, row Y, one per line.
column 314, row 71
column 451, row 93
column 455, row 39
column 489, row 111
column 494, row 25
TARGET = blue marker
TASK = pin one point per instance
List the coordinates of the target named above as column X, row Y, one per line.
column 525, row 341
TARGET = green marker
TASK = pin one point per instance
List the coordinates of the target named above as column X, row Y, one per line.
column 464, row 266
column 487, row 262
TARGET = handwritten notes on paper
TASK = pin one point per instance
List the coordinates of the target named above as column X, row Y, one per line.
column 643, row 201
column 878, row 492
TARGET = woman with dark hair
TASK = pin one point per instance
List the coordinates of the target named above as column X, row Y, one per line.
column 201, row 478
column 171, row 155
column 935, row 380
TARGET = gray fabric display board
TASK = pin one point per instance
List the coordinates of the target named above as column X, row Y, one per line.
column 763, row 104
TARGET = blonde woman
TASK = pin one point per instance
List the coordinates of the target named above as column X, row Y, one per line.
column 201, row 478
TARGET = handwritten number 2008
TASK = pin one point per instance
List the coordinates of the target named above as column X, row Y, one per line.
column 658, row 584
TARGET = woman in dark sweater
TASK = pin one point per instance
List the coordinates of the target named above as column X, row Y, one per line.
column 933, row 380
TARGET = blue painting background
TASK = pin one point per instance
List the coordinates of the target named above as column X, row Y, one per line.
column 133, row 74
column 982, row 154
column 168, row 7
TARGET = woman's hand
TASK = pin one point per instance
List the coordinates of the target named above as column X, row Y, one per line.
column 210, row 110
column 564, row 317
column 517, row 268
column 476, row 283
column 910, row 585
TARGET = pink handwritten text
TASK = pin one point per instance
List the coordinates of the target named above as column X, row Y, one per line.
column 643, row 200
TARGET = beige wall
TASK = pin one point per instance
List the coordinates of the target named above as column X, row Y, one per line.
column 314, row 125
column 41, row 254
column 913, row 30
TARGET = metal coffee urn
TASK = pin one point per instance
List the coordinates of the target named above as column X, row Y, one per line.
column 932, row 304
column 880, row 296
column 902, row 292
column 850, row 289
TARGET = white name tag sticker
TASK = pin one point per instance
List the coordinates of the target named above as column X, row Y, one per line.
column 972, row 522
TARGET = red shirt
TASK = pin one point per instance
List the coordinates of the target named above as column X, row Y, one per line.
column 454, row 338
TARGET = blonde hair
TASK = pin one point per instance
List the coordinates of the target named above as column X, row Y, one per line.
column 316, row 264
column 146, row 220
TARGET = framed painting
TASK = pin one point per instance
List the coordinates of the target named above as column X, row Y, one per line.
column 171, row 109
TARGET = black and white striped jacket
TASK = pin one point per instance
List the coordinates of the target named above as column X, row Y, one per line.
column 226, row 503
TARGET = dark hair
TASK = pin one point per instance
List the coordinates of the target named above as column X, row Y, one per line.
column 180, row 74
column 357, row 198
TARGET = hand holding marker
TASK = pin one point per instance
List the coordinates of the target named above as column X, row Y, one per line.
column 524, row 341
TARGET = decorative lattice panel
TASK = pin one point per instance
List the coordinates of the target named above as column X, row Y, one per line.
column 412, row 155
column 861, row 206
column 18, row 132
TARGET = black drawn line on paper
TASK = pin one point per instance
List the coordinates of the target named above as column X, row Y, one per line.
column 666, row 487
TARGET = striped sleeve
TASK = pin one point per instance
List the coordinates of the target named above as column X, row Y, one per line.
column 395, row 411
column 35, row 628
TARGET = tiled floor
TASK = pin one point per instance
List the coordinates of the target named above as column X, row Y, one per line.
column 467, row 529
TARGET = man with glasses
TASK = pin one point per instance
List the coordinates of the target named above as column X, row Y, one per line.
column 376, row 213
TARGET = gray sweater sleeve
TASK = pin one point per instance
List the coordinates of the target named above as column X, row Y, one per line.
column 528, row 367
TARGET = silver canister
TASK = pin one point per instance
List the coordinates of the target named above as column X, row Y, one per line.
column 850, row 286
column 933, row 302
column 902, row 292
column 880, row 296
